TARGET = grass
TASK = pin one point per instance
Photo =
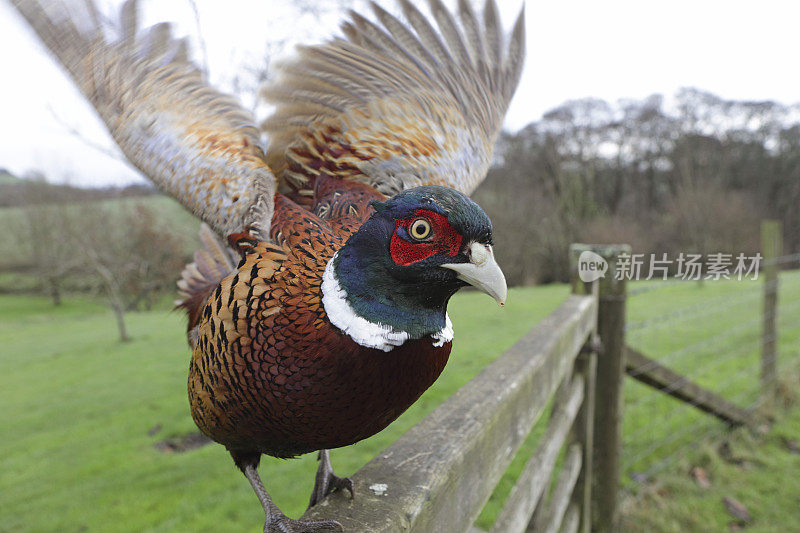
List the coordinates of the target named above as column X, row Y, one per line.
column 717, row 344
column 712, row 334
column 766, row 483
column 82, row 412
column 77, row 408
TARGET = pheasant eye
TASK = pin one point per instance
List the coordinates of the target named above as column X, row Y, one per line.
column 420, row 229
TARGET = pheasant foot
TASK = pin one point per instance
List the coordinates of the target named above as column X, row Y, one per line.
column 275, row 521
column 326, row 481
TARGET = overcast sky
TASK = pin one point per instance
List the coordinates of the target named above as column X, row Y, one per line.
column 610, row 49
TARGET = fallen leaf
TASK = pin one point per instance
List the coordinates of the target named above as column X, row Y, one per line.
column 737, row 509
column 700, row 476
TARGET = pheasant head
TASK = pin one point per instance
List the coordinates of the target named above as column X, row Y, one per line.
column 393, row 278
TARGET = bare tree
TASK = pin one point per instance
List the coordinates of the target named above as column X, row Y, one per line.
column 134, row 257
column 45, row 233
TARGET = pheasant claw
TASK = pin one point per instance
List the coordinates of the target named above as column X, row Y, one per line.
column 327, row 482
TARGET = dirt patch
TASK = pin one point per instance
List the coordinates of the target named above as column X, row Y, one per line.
column 182, row 443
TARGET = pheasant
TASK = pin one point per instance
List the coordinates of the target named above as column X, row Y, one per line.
column 317, row 308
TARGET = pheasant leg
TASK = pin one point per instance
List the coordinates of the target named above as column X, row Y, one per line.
column 326, row 481
column 277, row 522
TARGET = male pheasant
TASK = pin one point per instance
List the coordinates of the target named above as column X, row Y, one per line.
column 326, row 317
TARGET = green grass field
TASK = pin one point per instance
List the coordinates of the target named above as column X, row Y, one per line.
column 767, row 483
column 712, row 334
column 81, row 412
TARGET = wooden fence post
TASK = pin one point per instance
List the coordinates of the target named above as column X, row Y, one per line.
column 583, row 430
column 771, row 248
column 608, row 397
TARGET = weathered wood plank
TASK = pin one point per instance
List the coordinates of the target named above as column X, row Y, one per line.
column 535, row 477
column 608, row 401
column 540, row 509
column 583, row 433
column 562, row 394
column 571, row 520
column 562, row 493
column 583, row 429
column 440, row 473
column 652, row 373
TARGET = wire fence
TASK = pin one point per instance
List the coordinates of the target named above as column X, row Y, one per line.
column 711, row 333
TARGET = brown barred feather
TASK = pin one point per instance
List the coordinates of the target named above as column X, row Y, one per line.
column 409, row 104
column 211, row 264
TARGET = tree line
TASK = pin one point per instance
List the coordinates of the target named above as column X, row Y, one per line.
column 692, row 174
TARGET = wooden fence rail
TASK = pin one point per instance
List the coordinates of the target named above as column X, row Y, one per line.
column 438, row 476
column 535, row 477
column 652, row 373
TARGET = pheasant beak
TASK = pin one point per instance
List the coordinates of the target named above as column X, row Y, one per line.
column 482, row 272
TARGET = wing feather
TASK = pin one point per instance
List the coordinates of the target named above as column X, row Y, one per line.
column 515, row 56
column 475, row 38
column 376, row 38
column 451, row 33
column 427, row 35
column 395, row 104
column 404, row 36
column 195, row 143
column 494, row 40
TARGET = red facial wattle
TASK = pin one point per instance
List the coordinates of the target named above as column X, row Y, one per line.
column 444, row 239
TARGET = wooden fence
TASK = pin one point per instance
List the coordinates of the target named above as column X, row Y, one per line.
column 439, row 475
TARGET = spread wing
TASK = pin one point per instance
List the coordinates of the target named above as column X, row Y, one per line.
column 395, row 104
column 198, row 145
